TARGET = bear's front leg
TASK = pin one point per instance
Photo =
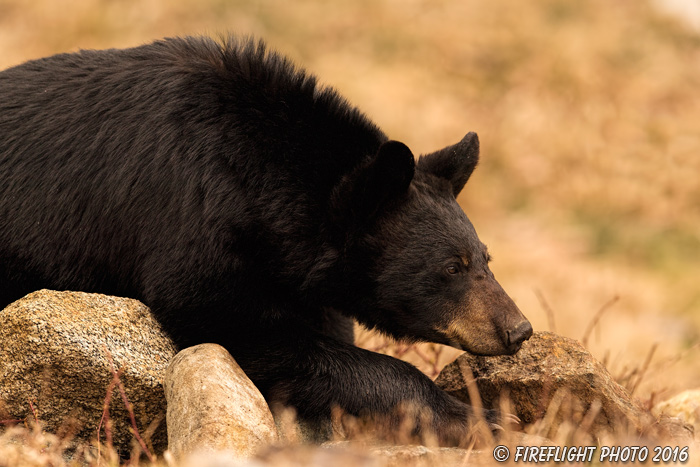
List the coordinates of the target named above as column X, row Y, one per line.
column 314, row 374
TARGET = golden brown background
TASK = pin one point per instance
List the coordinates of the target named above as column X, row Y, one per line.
column 588, row 115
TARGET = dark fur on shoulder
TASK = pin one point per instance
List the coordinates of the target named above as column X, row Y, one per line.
column 246, row 205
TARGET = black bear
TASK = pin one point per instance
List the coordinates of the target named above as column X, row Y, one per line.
column 247, row 205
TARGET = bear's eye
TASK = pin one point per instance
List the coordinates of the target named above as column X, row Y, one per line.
column 452, row 269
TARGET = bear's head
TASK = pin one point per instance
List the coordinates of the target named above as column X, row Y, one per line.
column 420, row 270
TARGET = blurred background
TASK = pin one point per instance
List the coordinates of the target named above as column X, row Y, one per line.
column 588, row 193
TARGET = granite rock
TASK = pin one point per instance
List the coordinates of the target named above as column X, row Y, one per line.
column 548, row 366
column 55, row 365
column 684, row 406
column 213, row 406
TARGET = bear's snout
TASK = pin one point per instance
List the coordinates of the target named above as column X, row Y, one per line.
column 490, row 323
column 519, row 334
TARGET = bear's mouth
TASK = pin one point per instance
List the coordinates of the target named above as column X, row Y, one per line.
column 510, row 350
column 486, row 340
column 495, row 349
column 487, row 345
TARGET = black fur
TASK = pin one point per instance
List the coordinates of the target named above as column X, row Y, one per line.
column 248, row 206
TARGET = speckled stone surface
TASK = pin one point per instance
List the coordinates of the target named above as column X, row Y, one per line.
column 546, row 365
column 53, row 352
column 685, row 406
column 213, row 406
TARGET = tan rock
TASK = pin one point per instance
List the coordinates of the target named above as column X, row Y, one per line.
column 54, row 353
column 213, row 406
column 546, row 367
column 685, row 406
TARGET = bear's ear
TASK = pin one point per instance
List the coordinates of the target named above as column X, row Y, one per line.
column 454, row 163
column 361, row 195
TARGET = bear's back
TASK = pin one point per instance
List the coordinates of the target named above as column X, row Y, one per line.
column 234, row 92
column 109, row 157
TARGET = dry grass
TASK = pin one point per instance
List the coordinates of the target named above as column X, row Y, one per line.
column 588, row 116
column 357, row 442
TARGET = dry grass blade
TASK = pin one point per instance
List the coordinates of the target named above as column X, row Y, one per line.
column 582, row 432
column 105, row 420
column 10, row 422
column 545, row 426
column 547, row 309
column 596, row 319
column 482, row 429
column 36, row 418
column 643, row 369
column 129, row 409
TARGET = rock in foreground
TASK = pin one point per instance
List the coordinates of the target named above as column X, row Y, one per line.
column 684, row 406
column 54, row 353
column 213, row 406
column 546, row 367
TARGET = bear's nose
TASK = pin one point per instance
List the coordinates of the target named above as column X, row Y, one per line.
column 518, row 335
